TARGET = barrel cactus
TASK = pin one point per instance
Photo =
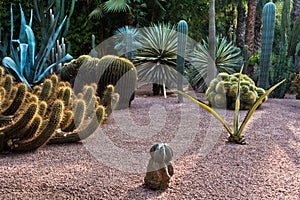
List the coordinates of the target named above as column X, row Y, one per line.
column 110, row 69
column 159, row 169
column 223, row 89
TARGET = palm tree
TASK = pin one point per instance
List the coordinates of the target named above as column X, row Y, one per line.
column 240, row 29
column 250, row 24
column 117, row 6
column 258, row 25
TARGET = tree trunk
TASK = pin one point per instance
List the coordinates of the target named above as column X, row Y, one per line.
column 258, row 26
column 295, row 10
column 250, row 24
column 211, row 69
column 240, row 29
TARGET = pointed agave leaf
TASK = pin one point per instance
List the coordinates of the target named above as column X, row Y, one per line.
column 45, row 72
column 32, row 48
column 209, row 109
column 255, row 106
column 22, row 36
column 11, row 64
column 42, row 51
column 41, row 66
column 23, row 57
column 237, row 105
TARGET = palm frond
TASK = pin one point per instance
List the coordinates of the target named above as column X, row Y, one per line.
column 97, row 13
column 116, row 6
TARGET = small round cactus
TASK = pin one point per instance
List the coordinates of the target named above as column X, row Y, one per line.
column 223, row 89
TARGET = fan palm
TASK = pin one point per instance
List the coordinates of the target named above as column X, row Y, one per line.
column 121, row 6
column 156, row 60
column 126, row 40
column 228, row 59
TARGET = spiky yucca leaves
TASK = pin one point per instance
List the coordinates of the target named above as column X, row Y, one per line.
column 228, row 59
column 223, row 90
column 156, row 60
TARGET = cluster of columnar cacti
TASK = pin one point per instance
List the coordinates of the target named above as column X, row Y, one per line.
column 295, row 81
column 110, row 69
column 50, row 113
column 222, row 91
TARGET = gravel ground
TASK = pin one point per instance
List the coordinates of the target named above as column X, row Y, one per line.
column 111, row 164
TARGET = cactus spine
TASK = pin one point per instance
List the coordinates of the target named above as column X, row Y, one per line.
column 267, row 43
column 182, row 31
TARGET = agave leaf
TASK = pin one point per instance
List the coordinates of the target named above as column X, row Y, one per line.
column 11, row 64
column 255, row 106
column 237, row 105
column 45, row 42
column 32, row 47
column 45, row 72
column 23, row 57
column 49, row 49
column 209, row 109
column 22, row 36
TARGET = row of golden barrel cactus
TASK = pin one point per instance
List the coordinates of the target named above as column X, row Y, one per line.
column 50, row 113
column 223, row 90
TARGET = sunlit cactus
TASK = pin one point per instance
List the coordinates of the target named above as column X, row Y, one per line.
column 223, row 90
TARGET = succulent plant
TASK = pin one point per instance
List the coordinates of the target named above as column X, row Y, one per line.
column 235, row 134
column 25, row 62
column 223, row 90
column 110, row 69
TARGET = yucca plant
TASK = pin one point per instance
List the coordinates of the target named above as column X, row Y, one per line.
column 235, row 135
column 156, row 60
column 228, row 59
column 25, row 62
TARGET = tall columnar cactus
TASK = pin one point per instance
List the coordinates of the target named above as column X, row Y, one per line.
column 182, row 31
column 269, row 12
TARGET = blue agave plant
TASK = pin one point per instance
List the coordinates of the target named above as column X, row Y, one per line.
column 25, row 63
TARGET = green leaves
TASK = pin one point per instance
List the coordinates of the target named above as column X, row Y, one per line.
column 116, row 6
